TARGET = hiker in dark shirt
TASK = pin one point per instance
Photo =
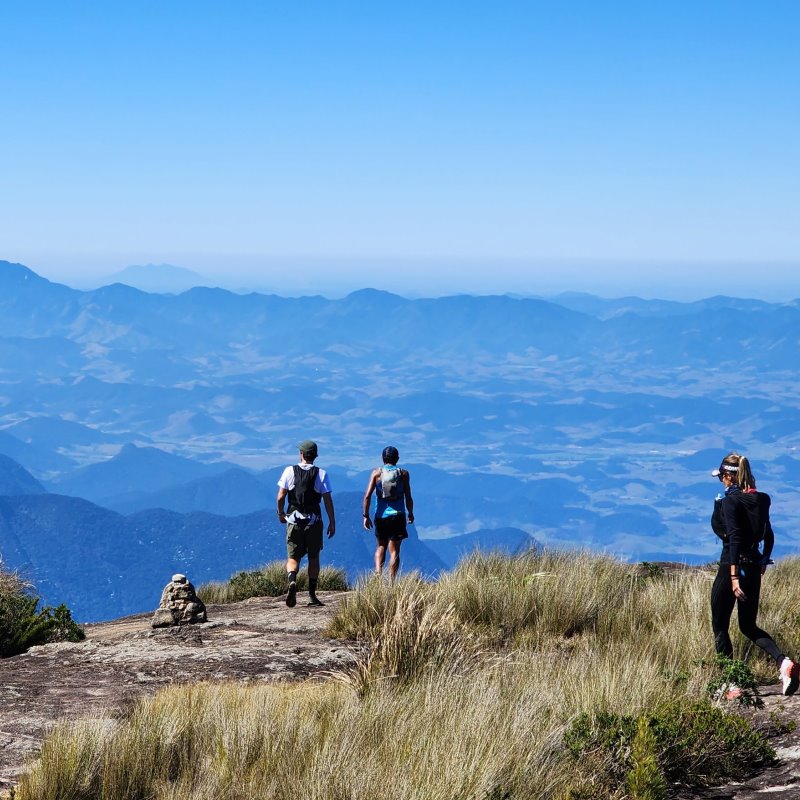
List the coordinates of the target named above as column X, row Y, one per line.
column 305, row 485
column 395, row 507
column 741, row 520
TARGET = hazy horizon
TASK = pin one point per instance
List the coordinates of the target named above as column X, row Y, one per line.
column 604, row 147
column 683, row 282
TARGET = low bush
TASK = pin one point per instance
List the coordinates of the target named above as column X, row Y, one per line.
column 23, row 624
column 268, row 581
column 696, row 743
column 732, row 673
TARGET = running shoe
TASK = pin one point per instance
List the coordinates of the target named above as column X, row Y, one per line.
column 291, row 595
column 790, row 676
column 315, row 601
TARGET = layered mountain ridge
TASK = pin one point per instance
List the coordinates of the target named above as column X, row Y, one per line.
column 580, row 421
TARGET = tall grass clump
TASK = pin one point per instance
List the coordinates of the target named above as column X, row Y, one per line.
column 550, row 601
column 416, row 639
column 23, row 624
column 363, row 613
column 535, row 596
column 268, row 581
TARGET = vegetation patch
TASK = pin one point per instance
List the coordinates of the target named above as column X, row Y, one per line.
column 698, row 744
column 734, row 675
column 268, row 581
column 23, row 624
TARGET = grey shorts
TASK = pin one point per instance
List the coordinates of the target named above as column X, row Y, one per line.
column 303, row 539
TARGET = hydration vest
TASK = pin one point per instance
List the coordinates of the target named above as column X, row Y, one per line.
column 303, row 497
column 391, row 482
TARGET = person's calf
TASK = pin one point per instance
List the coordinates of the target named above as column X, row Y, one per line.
column 380, row 559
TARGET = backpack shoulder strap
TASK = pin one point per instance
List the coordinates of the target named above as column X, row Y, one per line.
column 300, row 474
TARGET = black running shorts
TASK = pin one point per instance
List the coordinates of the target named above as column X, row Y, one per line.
column 391, row 528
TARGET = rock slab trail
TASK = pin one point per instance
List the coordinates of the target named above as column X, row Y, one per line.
column 259, row 639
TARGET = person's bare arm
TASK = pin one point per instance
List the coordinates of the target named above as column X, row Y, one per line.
column 368, row 498
column 281, row 512
column 328, row 500
column 409, row 498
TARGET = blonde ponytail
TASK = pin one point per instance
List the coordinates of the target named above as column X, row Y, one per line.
column 746, row 479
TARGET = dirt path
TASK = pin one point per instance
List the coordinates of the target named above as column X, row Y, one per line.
column 255, row 640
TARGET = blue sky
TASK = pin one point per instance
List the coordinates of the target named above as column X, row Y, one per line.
column 615, row 147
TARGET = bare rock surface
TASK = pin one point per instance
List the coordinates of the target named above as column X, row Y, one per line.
column 259, row 639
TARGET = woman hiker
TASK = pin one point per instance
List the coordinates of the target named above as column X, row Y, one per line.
column 741, row 520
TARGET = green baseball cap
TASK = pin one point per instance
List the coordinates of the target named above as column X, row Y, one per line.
column 308, row 447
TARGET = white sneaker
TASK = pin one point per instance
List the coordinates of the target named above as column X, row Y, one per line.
column 790, row 676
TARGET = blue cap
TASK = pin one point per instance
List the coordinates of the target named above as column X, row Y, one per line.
column 390, row 454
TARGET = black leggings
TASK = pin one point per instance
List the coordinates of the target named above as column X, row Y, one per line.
column 722, row 603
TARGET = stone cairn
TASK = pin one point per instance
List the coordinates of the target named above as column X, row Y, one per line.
column 180, row 604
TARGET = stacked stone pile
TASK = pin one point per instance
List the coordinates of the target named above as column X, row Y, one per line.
column 179, row 605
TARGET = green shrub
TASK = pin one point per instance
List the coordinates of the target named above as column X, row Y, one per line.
column 268, row 581
column 23, row 626
column 695, row 742
column 732, row 672
column 645, row 780
column 652, row 570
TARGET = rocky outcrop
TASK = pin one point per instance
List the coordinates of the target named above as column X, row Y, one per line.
column 179, row 605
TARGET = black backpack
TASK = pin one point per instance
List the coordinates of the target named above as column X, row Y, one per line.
column 304, row 497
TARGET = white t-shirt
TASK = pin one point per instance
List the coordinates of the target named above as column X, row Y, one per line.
column 322, row 484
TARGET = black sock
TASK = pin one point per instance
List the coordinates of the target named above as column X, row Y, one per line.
column 292, row 577
column 312, row 586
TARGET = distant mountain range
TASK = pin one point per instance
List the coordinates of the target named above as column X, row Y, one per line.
column 581, row 421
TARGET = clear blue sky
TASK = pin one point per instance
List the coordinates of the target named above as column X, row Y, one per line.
column 521, row 146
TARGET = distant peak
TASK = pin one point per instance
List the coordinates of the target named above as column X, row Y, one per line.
column 159, row 278
column 18, row 273
column 373, row 294
column 159, row 270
